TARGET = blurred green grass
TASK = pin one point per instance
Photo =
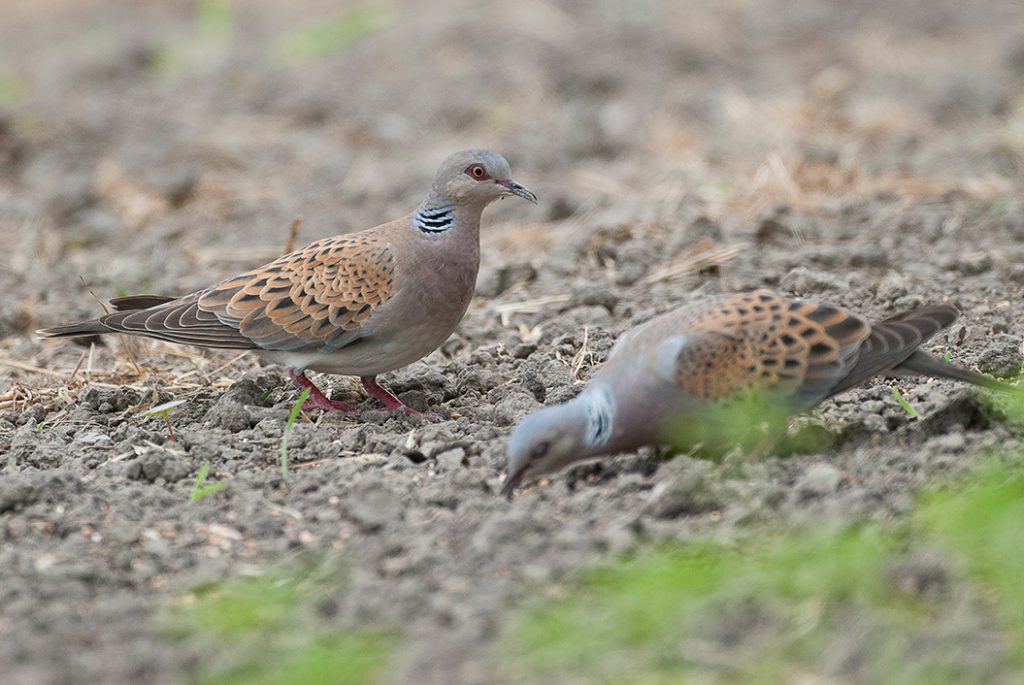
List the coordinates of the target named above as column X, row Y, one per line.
column 806, row 604
column 334, row 33
column 933, row 598
column 1008, row 407
column 13, row 89
column 753, row 422
column 264, row 629
column 984, row 525
column 208, row 42
column 215, row 18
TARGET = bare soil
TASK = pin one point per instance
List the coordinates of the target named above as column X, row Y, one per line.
column 869, row 154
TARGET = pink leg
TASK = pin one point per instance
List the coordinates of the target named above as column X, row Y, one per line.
column 316, row 398
column 391, row 403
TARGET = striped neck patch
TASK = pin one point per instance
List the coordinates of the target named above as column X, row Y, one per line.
column 600, row 415
column 434, row 220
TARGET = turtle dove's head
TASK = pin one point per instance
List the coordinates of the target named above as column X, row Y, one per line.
column 476, row 177
column 554, row 437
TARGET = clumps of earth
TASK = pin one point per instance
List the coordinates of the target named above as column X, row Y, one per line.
column 696, row 152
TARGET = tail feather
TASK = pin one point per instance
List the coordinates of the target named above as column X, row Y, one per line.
column 932, row 317
column 171, row 319
column 895, row 340
column 93, row 327
column 923, row 364
column 133, row 302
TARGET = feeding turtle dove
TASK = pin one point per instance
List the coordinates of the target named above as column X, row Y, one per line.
column 665, row 372
column 358, row 304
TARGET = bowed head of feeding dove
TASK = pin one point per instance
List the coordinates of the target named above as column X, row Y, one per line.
column 663, row 376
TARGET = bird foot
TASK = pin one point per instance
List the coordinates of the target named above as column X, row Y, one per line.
column 316, row 398
column 390, row 402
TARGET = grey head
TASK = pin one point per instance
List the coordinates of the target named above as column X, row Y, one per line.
column 475, row 178
column 556, row 436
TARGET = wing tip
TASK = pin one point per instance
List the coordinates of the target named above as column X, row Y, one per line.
column 135, row 302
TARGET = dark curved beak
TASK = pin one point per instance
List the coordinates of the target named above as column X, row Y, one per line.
column 518, row 190
column 513, row 480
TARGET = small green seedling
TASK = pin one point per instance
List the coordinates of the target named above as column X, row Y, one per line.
column 265, row 394
column 215, row 19
column 948, row 357
column 911, row 412
column 288, row 428
column 333, row 34
column 1000, row 206
column 258, row 625
column 1009, row 406
column 13, row 89
column 199, row 488
column 753, row 421
column 165, row 410
column 213, row 26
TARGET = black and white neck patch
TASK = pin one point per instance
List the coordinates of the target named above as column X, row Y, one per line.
column 600, row 415
column 434, row 220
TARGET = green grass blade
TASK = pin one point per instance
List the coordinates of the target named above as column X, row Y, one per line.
column 911, row 412
column 263, row 630
column 296, row 408
column 164, row 408
column 208, row 490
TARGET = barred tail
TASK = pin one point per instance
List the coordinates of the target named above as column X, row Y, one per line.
column 72, row 329
column 926, row 365
column 95, row 327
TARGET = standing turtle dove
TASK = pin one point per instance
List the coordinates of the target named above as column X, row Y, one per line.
column 359, row 304
column 665, row 372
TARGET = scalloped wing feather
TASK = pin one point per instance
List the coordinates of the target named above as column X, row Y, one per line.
column 178, row 321
column 319, row 298
column 765, row 341
column 807, row 351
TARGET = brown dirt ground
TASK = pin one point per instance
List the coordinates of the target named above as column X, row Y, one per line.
column 868, row 153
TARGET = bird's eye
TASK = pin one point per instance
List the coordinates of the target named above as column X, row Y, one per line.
column 539, row 450
column 477, row 171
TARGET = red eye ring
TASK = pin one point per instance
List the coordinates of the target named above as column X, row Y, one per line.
column 477, row 171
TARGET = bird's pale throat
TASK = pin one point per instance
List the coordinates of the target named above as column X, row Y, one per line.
column 434, row 220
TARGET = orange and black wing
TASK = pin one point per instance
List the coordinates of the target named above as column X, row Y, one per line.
column 764, row 341
column 316, row 299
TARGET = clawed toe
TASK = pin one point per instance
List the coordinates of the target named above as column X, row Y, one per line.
column 330, row 405
column 318, row 400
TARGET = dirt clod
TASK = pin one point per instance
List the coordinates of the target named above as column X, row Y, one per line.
column 866, row 154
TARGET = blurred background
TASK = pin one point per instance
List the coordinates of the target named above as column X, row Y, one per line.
column 866, row 151
column 188, row 134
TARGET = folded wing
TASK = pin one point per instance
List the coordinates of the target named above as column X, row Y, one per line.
column 761, row 340
column 317, row 299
